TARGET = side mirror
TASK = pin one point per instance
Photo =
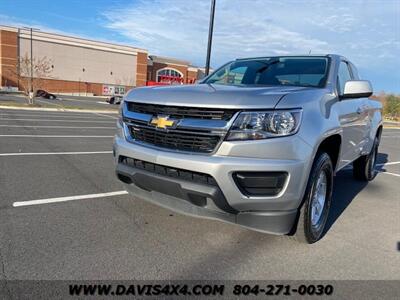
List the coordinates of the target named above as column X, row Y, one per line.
column 357, row 89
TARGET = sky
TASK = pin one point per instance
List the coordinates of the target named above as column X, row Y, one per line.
column 365, row 31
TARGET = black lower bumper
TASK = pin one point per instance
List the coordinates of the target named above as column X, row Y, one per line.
column 199, row 199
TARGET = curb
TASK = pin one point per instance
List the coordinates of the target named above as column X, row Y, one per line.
column 59, row 109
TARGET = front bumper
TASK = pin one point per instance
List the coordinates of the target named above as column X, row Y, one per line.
column 273, row 214
column 199, row 200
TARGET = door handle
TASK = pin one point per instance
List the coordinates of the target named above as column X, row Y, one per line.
column 360, row 110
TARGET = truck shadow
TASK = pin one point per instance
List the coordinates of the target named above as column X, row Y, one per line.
column 346, row 188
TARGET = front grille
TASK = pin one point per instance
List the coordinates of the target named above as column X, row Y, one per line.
column 175, row 139
column 180, row 112
column 168, row 171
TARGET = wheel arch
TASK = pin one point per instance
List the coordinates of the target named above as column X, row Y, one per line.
column 379, row 132
column 329, row 143
column 332, row 146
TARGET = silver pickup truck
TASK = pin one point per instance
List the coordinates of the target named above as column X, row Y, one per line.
column 256, row 143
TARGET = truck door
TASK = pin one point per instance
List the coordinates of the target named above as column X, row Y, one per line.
column 352, row 116
column 365, row 111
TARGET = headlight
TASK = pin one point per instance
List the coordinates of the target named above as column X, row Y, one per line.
column 262, row 125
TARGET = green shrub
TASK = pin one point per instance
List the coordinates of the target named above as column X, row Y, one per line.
column 391, row 108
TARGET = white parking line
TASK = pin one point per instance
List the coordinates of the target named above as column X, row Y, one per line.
column 71, row 198
column 56, row 136
column 112, row 117
column 76, row 127
column 53, row 153
column 378, row 165
column 389, row 173
column 389, row 163
column 71, row 121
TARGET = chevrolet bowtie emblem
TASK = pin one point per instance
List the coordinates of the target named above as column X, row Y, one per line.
column 162, row 122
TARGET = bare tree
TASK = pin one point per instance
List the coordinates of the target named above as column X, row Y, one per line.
column 42, row 69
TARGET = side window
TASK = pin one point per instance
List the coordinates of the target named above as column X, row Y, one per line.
column 343, row 76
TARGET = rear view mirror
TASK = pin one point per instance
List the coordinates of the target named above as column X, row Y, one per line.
column 357, row 89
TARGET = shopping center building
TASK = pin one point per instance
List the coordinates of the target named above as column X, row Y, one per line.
column 73, row 65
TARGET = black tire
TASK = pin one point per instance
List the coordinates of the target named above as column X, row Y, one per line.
column 364, row 166
column 307, row 232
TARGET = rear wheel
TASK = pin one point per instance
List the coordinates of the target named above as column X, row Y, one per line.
column 364, row 166
column 317, row 201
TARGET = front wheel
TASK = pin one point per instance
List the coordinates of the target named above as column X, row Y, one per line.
column 317, row 201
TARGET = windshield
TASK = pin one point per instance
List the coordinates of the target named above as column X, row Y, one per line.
column 274, row 71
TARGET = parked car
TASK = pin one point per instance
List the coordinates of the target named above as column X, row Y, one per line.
column 114, row 100
column 256, row 143
column 44, row 94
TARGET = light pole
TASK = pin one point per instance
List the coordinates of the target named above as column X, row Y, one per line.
column 210, row 33
column 31, row 60
column 31, row 29
column 19, row 57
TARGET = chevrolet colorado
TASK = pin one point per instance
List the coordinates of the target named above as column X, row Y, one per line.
column 256, row 143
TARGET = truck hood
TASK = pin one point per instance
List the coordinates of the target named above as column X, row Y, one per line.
column 212, row 95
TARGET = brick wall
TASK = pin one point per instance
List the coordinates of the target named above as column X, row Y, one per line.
column 191, row 76
column 141, row 69
column 188, row 76
column 8, row 58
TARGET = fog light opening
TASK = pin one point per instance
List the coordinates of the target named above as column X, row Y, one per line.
column 260, row 183
column 124, row 179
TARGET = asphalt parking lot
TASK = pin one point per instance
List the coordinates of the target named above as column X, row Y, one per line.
column 47, row 159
